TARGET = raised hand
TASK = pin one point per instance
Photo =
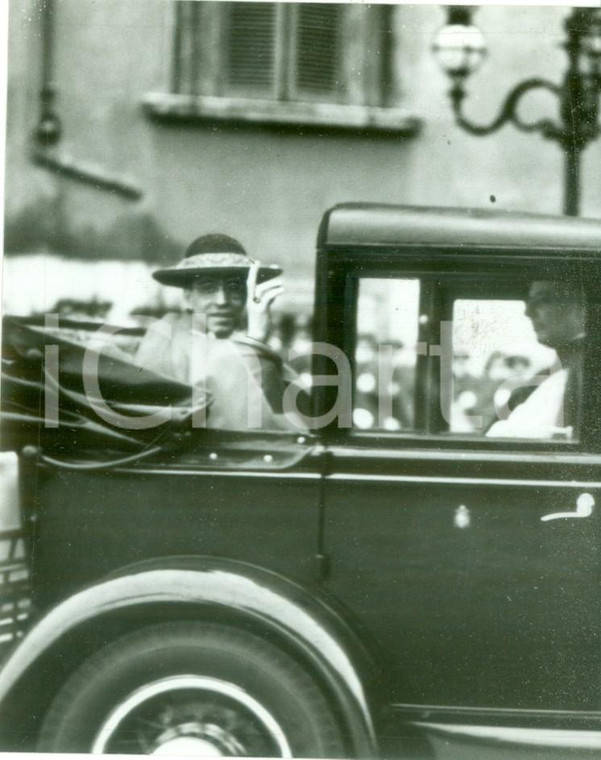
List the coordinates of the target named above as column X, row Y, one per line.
column 260, row 298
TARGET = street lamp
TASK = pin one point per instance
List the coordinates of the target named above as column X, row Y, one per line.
column 460, row 48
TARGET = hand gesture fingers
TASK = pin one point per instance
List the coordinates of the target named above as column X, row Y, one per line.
column 267, row 292
column 260, row 297
column 251, row 281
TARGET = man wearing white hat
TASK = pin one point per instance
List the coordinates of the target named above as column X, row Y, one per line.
column 218, row 341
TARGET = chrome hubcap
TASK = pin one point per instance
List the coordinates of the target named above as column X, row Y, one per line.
column 191, row 715
column 202, row 740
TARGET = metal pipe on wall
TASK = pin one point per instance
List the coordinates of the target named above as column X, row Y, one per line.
column 49, row 129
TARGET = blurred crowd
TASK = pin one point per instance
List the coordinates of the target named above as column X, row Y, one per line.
column 385, row 387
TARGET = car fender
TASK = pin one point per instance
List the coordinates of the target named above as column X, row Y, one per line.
column 277, row 604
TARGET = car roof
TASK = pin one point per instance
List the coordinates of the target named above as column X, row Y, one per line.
column 376, row 225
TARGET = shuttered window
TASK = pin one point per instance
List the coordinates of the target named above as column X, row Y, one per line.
column 250, row 46
column 295, row 63
column 281, row 51
column 317, row 58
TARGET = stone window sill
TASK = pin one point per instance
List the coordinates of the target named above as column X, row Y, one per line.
column 199, row 108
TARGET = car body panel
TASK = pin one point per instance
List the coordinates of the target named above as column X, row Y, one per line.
column 350, row 225
column 88, row 524
column 486, row 605
column 272, row 601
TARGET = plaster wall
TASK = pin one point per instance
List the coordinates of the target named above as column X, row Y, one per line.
column 266, row 186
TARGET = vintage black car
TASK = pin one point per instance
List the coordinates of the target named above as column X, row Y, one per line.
column 408, row 570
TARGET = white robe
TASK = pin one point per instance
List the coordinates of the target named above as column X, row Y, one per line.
column 540, row 416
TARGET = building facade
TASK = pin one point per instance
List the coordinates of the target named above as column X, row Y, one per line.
column 162, row 120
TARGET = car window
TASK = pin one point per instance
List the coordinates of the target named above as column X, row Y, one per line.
column 386, row 354
column 494, row 360
column 495, row 356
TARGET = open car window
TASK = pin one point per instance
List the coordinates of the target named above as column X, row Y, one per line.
column 457, row 358
column 385, row 354
column 497, row 362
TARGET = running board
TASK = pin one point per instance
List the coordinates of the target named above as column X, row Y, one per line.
column 532, row 737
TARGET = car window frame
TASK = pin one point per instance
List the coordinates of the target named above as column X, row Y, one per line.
column 347, row 268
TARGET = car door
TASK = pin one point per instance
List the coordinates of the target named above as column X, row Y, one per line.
column 472, row 560
column 252, row 497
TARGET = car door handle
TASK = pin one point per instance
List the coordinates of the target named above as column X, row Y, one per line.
column 584, row 508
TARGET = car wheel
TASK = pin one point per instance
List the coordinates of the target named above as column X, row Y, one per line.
column 192, row 688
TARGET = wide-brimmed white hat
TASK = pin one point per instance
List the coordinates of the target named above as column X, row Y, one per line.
column 209, row 255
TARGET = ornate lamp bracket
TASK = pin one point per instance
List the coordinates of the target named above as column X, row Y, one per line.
column 460, row 47
column 509, row 111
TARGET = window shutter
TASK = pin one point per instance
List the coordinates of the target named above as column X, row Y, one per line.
column 186, row 57
column 250, row 46
column 318, row 49
column 296, row 57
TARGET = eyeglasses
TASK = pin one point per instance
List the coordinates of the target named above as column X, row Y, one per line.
column 208, row 286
